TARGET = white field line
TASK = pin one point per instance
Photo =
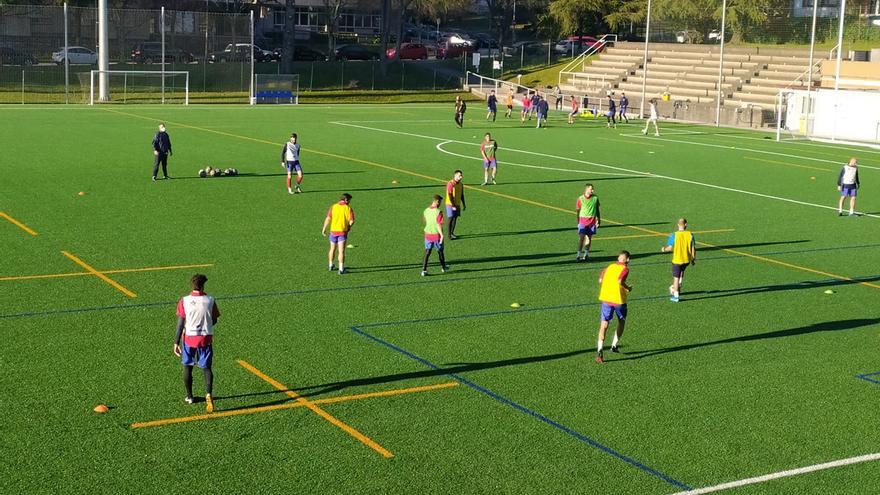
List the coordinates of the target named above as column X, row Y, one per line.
column 782, row 474
column 506, row 163
column 716, row 145
column 619, row 169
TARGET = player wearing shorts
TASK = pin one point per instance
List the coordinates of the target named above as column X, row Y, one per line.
column 492, row 106
column 574, row 110
column 684, row 253
column 652, row 117
column 433, row 218
column 509, row 101
column 612, row 111
column 197, row 314
column 340, row 218
column 487, row 149
column 460, row 109
column 290, row 161
column 587, row 210
column 848, row 185
column 624, row 102
column 454, row 203
column 527, row 105
column 613, row 292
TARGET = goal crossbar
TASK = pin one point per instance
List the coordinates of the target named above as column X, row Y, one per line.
column 161, row 74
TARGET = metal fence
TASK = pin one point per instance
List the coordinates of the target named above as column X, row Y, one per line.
column 724, row 62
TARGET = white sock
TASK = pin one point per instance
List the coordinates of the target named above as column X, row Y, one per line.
column 850, row 211
column 599, row 345
column 675, row 293
column 341, row 267
column 615, row 341
column 330, row 265
column 587, row 251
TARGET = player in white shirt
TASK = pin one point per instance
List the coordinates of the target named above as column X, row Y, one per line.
column 290, row 161
column 652, row 118
column 197, row 313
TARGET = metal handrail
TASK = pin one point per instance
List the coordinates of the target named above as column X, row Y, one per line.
column 592, row 50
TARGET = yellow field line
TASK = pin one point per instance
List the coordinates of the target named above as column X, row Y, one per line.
column 100, row 275
column 786, row 164
column 630, row 141
column 513, row 198
column 291, row 405
column 125, row 270
column 659, row 234
column 18, row 224
column 317, row 410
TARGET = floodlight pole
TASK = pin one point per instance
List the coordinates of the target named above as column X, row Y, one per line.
column 720, row 65
column 839, row 44
column 812, row 46
column 162, row 29
column 103, row 52
column 252, row 99
column 66, row 61
column 645, row 62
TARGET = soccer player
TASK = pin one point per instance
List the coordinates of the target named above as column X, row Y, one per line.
column 527, row 104
column 848, row 185
column 290, row 161
column 340, row 218
column 509, row 101
column 197, row 314
column 534, row 106
column 612, row 111
column 161, row 151
column 684, row 253
column 543, row 109
column 488, row 148
column 460, row 109
column 587, row 210
column 492, row 106
column 433, row 234
column 652, row 118
column 613, row 292
column 557, row 92
column 574, row 110
column 624, row 102
column 454, row 203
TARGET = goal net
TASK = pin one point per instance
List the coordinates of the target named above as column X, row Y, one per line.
column 134, row 87
column 828, row 115
column 276, row 88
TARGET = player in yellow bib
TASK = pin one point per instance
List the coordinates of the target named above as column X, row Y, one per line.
column 340, row 218
column 684, row 252
column 613, row 291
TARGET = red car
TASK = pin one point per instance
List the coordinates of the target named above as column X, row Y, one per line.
column 454, row 51
column 409, row 51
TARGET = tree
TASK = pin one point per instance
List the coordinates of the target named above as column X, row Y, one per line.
column 333, row 10
column 581, row 17
column 288, row 40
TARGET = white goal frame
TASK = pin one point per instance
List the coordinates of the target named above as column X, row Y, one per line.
column 159, row 73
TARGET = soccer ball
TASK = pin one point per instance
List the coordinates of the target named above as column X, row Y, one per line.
column 212, row 172
column 202, row 173
column 228, row 171
column 235, row 171
column 219, row 172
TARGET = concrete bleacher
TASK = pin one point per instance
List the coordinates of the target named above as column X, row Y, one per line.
column 752, row 76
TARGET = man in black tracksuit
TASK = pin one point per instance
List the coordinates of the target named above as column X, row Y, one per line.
column 161, row 150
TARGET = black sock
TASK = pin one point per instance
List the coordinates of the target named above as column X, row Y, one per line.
column 188, row 380
column 425, row 260
column 209, row 380
column 442, row 258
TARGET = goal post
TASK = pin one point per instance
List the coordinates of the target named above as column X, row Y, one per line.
column 137, row 86
column 276, row 88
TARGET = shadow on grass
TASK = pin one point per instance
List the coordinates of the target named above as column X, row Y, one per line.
column 471, row 261
column 253, row 175
column 521, row 232
column 810, row 284
column 829, row 326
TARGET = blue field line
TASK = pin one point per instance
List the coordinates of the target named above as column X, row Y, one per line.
column 523, row 409
column 443, row 280
column 864, row 376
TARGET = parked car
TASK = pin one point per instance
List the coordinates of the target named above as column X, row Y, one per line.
column 354, row 52
column 8, row 56
column 409, row 51
column 75, row 55
column 577, row 44
column 151, row 52
column 240, row 52
column 451, row 50
column 301, row 54
column 526, row 48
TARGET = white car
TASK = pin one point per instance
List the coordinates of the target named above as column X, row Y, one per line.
column 75, row 55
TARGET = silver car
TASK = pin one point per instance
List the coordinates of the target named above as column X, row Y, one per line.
column 75, row 55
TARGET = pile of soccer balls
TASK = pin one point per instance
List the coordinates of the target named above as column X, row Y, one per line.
column 216, row 172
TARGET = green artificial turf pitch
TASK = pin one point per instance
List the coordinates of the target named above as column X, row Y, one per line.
column 753, row 372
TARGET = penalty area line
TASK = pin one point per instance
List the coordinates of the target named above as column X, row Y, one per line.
column 782, row 474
